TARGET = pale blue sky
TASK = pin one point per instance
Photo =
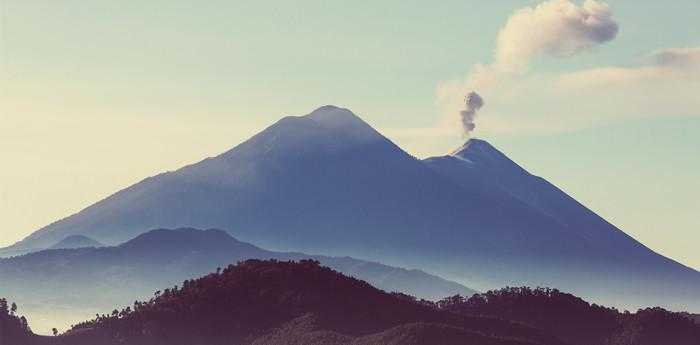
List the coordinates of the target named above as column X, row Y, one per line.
column 97, row 95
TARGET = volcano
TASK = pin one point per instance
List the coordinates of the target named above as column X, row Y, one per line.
column 328, row 183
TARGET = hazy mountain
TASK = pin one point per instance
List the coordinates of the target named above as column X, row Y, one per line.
column 266, row 302
column 328, row 183
column 59, row 287
column 76, row 241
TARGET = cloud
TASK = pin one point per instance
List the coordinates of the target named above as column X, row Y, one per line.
column 556, row 28
column 670, row 65
column 683, row 58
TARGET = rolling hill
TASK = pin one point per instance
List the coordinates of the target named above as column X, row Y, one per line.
column 59, row 287
column 271, row 302
column 292, row 303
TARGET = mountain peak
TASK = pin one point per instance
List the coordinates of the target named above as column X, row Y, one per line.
column 76, row 241
column 339, row 125
column 332, row 117
column 480, row 152
column 330, row 108
column 473, row 146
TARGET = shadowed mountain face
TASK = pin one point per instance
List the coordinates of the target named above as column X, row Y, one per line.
column 328, row 183
column 60, row 287
column 267, row 302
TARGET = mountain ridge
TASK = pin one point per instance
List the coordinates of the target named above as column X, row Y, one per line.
column 75, row 280
column 274, row 302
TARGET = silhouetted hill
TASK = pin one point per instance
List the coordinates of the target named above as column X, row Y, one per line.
column 328, row 183
column 303, row 303
column 269, row 302
column 656, row 326
column 694, row 317
column 576, row 321
column 60, row 287
column 13, row 328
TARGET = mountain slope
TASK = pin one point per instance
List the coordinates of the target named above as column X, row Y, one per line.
column 478, row 167
column 87, row 280
column 328, row 183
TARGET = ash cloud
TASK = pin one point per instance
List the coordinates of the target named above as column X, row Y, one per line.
column 472, row 103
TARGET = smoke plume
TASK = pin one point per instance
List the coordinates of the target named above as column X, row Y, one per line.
column 557, row 28
column 554, row 28
column 472, row 103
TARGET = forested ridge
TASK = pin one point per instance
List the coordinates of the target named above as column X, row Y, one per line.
column 576, row 321
column 285, row 302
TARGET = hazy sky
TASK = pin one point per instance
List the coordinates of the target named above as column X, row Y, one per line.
column 96, row 95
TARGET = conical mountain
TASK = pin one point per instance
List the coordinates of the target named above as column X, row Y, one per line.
column 76, row 241
column 328, row 183
column 323, row 182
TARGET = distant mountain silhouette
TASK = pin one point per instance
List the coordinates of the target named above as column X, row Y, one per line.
column 76, row 241
column 87, row 280
column 268, row 302
column 328, row 183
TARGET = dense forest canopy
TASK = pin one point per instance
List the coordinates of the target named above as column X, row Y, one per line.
column 576, row 321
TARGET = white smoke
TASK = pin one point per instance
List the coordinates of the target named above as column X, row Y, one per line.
column 472, row 103
column 554, row 28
